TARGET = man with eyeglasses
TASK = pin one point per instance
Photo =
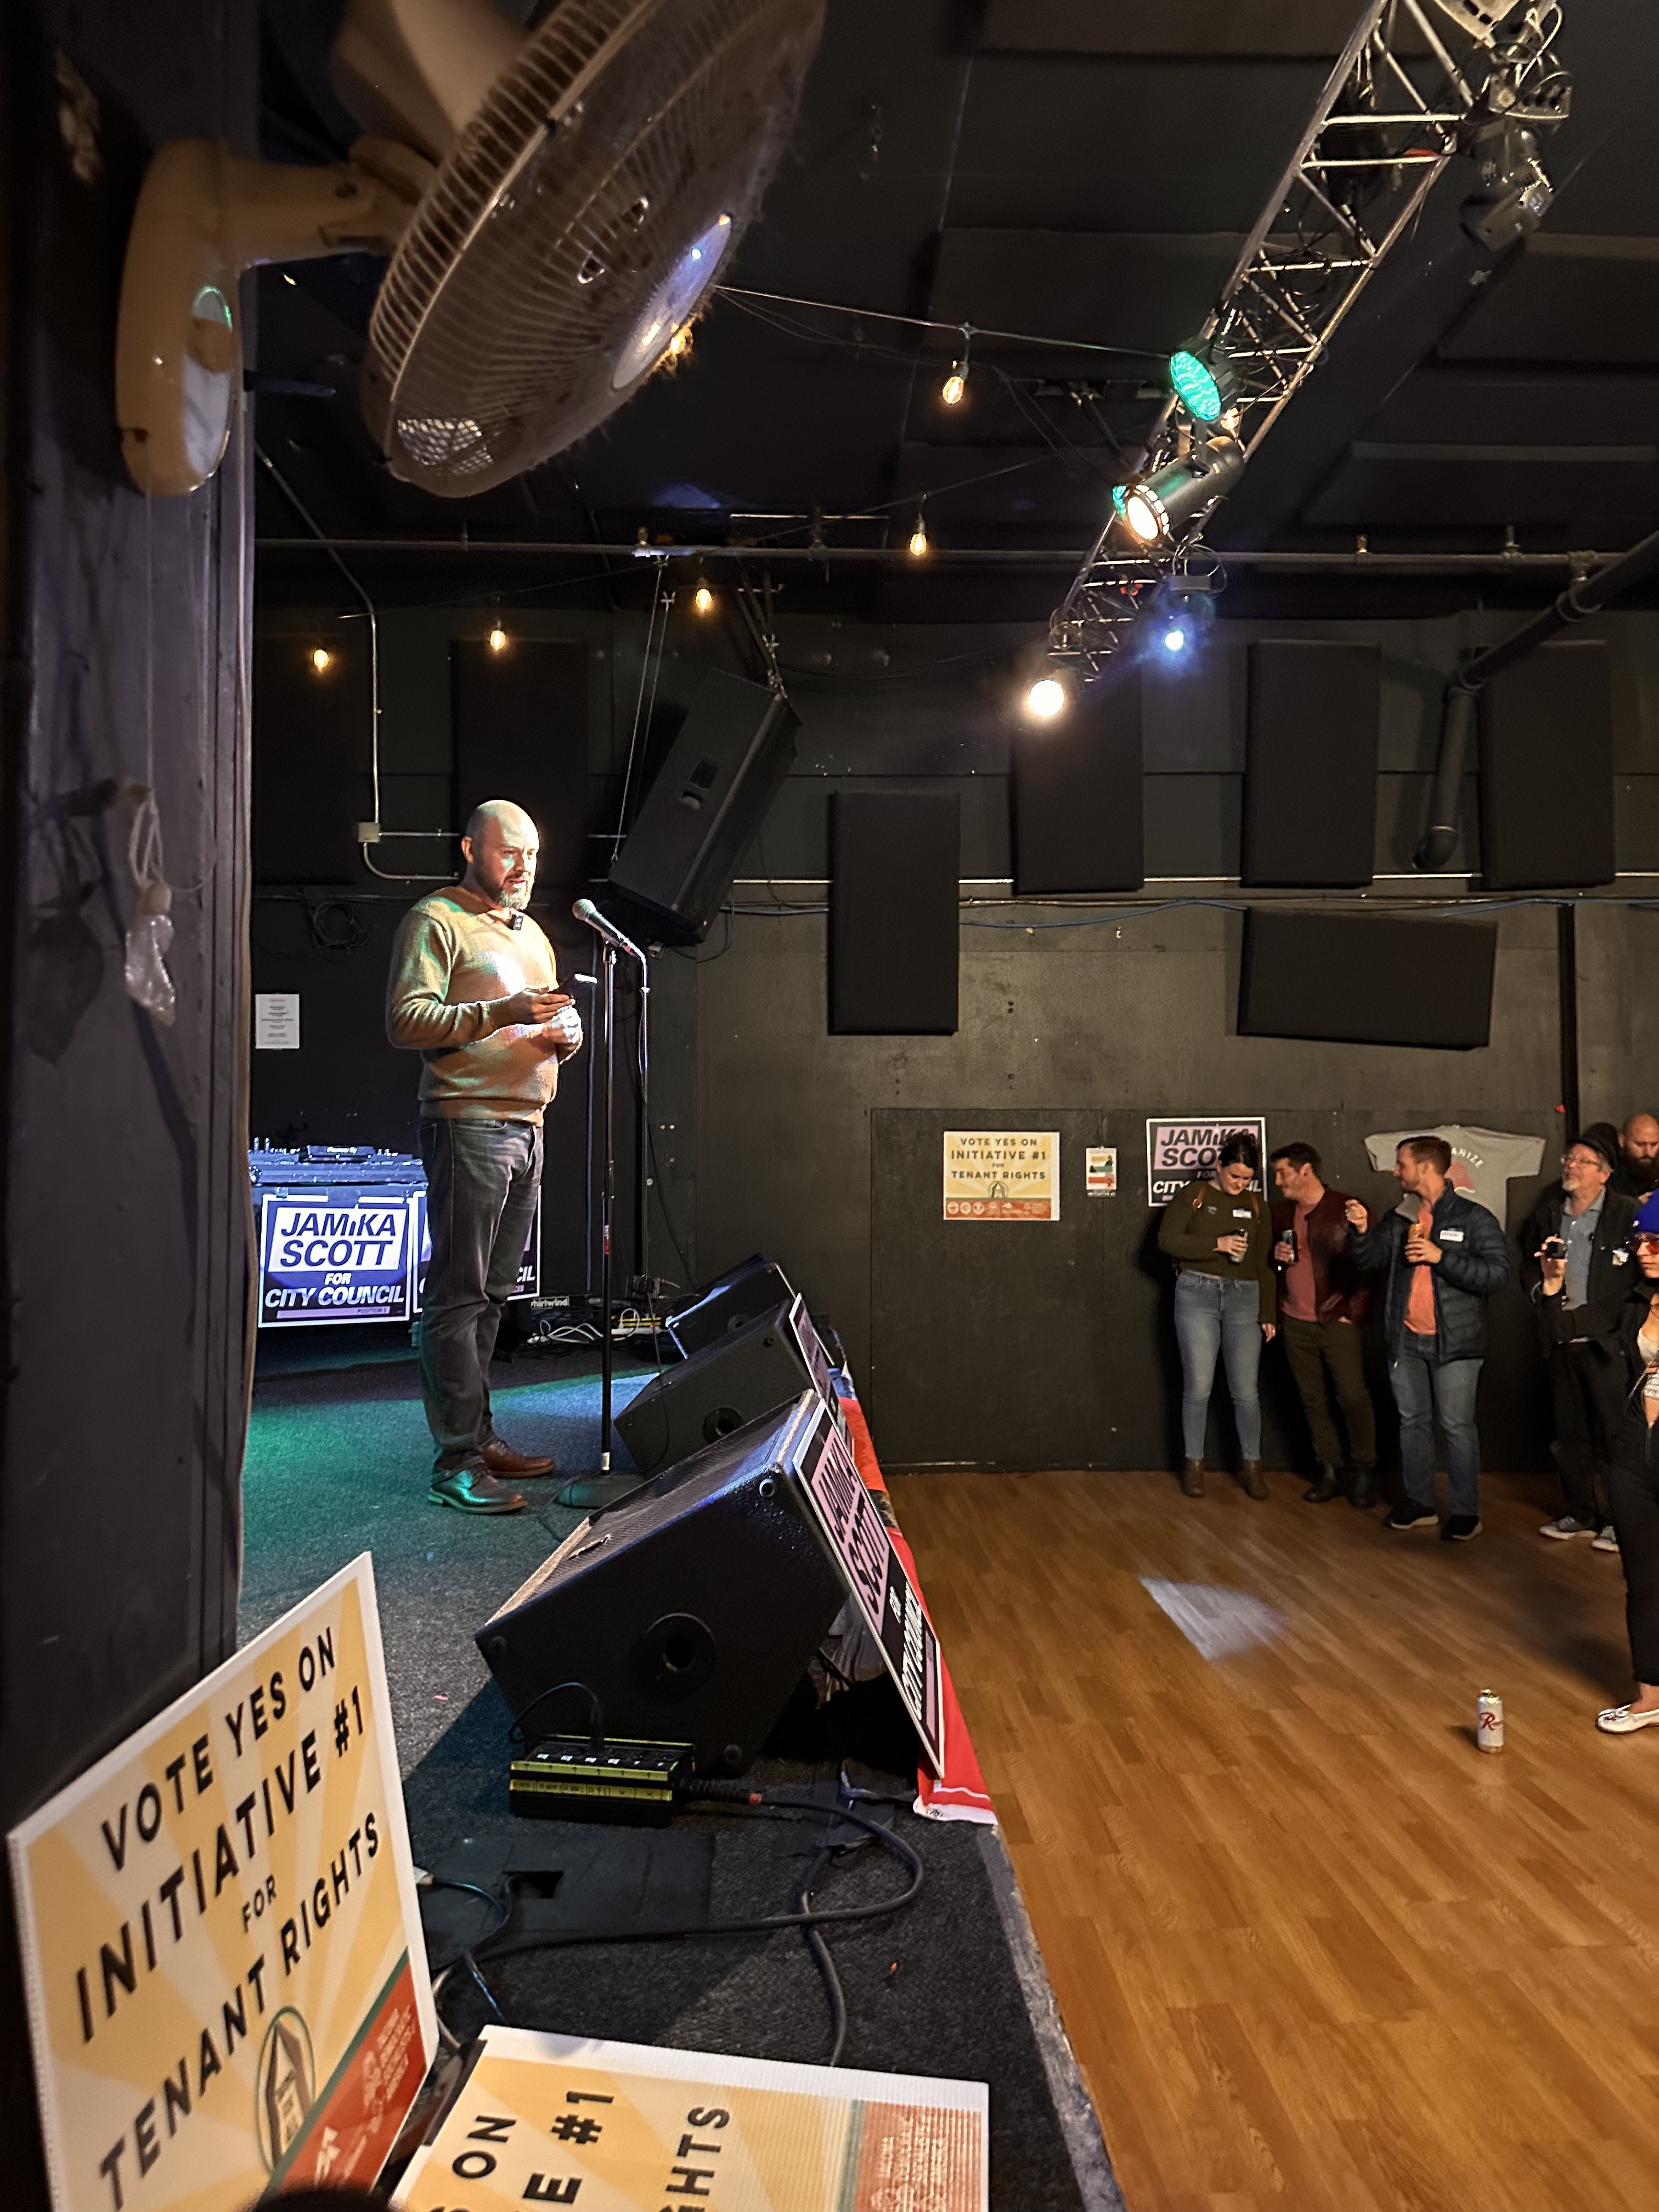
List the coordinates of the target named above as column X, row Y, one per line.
column 1581, row 1231
column 474, row 990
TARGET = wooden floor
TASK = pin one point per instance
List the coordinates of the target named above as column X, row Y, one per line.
column 1314, row 1951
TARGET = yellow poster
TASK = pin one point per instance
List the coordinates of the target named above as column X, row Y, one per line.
column 622, row 2127
column 227, row 1985
column 1001, row 1175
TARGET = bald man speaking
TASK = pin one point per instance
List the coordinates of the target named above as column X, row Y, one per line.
column 474, row 990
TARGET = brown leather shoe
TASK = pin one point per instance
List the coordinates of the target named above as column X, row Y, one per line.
column 1191, row 1478
column 502, row 1459
column 471, row 1490
column 1255, row 1483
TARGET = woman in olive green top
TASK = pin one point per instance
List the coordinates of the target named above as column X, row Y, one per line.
column 1219, row 1235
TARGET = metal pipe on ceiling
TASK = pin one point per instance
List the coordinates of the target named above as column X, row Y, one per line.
column 1585, row 596
column 993, row 557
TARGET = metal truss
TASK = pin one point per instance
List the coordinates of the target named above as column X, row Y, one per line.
column 1401, row 102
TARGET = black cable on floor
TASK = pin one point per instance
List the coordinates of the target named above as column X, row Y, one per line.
column 810, row 1919
column 821, row 1960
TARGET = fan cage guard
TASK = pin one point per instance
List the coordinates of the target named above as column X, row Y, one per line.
column 624, row 128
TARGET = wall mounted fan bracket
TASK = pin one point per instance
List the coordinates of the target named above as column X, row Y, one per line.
column 205, row 216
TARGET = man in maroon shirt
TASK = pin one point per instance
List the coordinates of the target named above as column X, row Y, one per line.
column 1321, row 1302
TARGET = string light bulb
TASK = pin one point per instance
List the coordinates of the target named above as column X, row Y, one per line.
column 498, row 639
column 322, row 659
column 919, row 537
column 703, row 599
column 954, row 389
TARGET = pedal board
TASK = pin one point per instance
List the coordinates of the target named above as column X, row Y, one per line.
column 571, row 1777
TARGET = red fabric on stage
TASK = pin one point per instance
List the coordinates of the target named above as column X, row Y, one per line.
column 960, row 1794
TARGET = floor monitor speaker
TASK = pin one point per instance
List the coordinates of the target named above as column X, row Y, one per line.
column 1547, row 771
column 710, row 797
column 1078, row 805
column 894, row 924
column 733, row 1380
column 1366, row 979
column 754, row 1287
column 1311, row 763
column 689, row 1613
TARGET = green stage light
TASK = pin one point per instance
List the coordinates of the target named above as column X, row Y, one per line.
column 1202, row 379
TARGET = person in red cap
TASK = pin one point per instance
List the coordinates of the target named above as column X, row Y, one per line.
column 1634, row 1486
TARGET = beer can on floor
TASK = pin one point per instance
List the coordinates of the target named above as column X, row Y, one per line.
column 1489, row 1721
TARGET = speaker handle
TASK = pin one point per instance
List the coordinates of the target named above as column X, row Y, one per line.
column 516, row 1733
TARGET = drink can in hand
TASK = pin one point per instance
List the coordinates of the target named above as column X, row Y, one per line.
column 1489, row 1721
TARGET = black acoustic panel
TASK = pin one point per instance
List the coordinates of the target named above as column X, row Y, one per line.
column 311, row 757
column 1311, row 763
column 689, row 1611
column 715, row 1391
column 894, row 929
column 709, row 798
column 1078, row 813
column 1367, row 979
column 521, row 733
column 1546, row 817
column 753, row 1287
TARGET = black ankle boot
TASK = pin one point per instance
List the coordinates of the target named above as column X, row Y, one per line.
column 1365, row 1494
column 1329, row 1485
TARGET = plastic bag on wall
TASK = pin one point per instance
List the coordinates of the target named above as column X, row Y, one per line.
column 149, row 937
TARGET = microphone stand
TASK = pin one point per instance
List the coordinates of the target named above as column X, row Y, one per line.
column 593, row 1492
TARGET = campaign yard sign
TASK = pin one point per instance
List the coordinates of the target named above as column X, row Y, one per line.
column 1183, row 1151
column 227, row 1983
column 335, row 1253
column 552, row 2119
column 1001, row 1175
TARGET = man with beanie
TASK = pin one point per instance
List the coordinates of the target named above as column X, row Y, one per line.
column 1445, row 1256
column 1583, row 1225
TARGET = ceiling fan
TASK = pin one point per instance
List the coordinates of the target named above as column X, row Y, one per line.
column 555, row 203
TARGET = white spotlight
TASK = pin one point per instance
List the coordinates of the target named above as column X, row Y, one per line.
column 1047, row 697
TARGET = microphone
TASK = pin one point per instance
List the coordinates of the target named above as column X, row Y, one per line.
column 585, row 910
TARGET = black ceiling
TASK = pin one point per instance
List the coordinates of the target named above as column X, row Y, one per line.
column 1075, row 170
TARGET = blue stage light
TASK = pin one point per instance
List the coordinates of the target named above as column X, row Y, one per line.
column 1175, row 638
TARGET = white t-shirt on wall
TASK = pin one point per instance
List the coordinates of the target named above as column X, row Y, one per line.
column 1482, row 1160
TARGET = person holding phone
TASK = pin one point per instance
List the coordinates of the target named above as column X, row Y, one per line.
column 1633, row 1321
column 1445, row 1256
column 1218, row 1234
column 474, row 989
column 1581, row 1230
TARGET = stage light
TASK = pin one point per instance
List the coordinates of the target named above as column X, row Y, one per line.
column 1162, row 509
column 919, row 538
column 322, row 659
column 1047, row 698
column 1203, row 380
column 955, row 386
column 703, row 599
column 498, row 639
column 1175, row 638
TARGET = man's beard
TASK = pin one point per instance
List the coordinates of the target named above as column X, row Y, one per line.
column 516, row 896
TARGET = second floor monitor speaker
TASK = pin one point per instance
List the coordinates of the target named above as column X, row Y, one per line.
column 710, row 797
column 738, row 1377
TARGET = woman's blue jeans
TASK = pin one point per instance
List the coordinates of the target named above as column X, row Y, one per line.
column 1216, row 1318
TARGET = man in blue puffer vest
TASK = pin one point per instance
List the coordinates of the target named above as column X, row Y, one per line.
column 1444, row 1258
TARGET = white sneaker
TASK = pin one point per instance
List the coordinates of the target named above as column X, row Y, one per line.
column 1625, row 1720
column 1567, row 1527
column 1606, row 1541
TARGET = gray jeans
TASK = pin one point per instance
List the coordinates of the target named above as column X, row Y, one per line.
column 482, row 1179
